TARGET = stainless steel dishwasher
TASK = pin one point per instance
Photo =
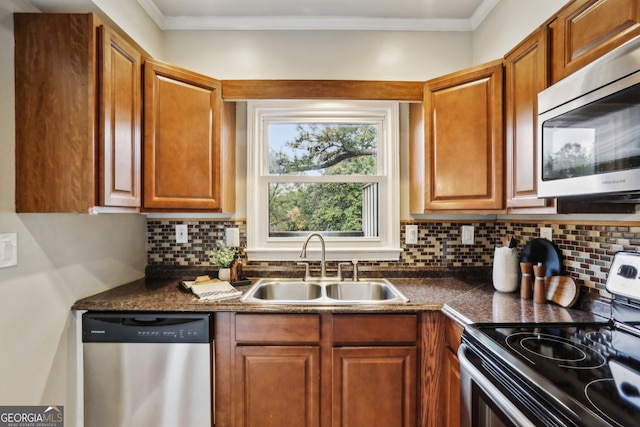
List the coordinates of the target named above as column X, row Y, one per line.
column 147, row 369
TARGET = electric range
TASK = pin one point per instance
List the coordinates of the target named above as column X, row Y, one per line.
column 558, row 374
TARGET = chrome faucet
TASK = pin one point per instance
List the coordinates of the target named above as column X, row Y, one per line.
column 303, row 254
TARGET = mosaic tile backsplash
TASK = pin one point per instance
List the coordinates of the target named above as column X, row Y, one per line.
column 587, row 249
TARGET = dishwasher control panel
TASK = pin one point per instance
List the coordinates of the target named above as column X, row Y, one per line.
column 147, row 328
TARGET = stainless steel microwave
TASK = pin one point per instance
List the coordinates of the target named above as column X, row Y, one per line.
column 589, row 130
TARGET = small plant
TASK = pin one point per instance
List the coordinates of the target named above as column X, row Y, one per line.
column 223, row 256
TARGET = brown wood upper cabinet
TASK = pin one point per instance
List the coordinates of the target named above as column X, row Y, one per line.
column 463, row 140
column 525, row 75
column 77, row 115
column 587, row 29
column 580, row 33
column 185, row 163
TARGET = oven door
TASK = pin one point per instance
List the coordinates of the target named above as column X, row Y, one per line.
column 492, row 396
column 482, row 403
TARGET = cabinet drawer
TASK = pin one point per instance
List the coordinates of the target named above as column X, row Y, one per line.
column 373, row 328
column 278, row 328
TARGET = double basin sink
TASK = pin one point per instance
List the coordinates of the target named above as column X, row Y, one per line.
column 323, row 292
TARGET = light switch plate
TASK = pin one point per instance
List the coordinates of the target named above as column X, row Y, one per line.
column 182, row 233
column 232, row 237
column 467, row 234
column 8, row 250
column 411, row 237
column 546, row 233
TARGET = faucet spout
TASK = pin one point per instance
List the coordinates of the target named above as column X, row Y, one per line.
column 303, row 253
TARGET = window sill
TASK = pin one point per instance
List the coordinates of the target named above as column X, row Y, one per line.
column 334, row 254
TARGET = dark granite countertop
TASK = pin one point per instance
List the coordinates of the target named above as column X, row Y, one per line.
column 463, row 299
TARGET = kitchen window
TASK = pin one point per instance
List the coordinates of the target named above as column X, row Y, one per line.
column 329, row 167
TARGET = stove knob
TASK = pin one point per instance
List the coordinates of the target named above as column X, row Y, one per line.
column 627, row 271
column 629, row 390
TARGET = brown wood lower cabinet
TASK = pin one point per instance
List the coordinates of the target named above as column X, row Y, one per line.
column 316, row 370
column 452, row 374
column 277, row 385
column 374, row 386
column 452, row 389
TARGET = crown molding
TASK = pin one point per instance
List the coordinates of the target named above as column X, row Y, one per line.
column 328, row 23
column 481, row 12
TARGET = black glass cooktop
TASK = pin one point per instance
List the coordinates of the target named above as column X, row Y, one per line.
column 593, row 368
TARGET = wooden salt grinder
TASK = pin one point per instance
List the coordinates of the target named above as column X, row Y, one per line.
column 526, row 285
column 539, row 288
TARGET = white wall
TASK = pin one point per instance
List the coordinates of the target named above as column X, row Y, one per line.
column 348, row 55
column 61, row 258
column 135, row 22
column 359, row 55
column 510, row 22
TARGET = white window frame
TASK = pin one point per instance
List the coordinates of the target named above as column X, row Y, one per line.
column 384, row 247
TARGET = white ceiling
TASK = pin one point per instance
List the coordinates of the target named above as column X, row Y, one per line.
column 408, row 15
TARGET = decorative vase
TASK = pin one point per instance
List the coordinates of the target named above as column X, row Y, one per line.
column 224, row 274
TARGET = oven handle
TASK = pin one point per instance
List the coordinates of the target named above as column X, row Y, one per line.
column 469, row 373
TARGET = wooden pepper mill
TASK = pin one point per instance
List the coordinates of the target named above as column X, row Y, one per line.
column 526, row 284
column 539, row 286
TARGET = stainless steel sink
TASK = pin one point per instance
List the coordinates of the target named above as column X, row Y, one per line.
column 287, row 291
column 323, row 292
column 360, row 291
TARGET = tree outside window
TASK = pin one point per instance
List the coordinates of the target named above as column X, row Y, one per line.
column 315, row 149
column 327, row 167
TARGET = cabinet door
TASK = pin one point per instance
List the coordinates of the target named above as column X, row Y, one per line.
column 120, row 113
column 452, row 389
column 77, row 115
column 55, row 112
column 277, row 386
column 525, row 75
column 587, row 29
column 374, row 386
column 451, row 376
column 182, row 113
column 463, row 137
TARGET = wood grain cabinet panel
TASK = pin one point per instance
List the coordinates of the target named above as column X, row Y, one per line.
column 587, row 29
column 374, row 370
column 464, row 140
column 452, row 374
column 452, row 389
column 120, row 116
column 277, row 328
column 453, row 335
column 77, row 115
column 372, row 329
column 374, row 386
column 292, row 370
column 278, row 386
column 526, row 74
column 182, row 115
